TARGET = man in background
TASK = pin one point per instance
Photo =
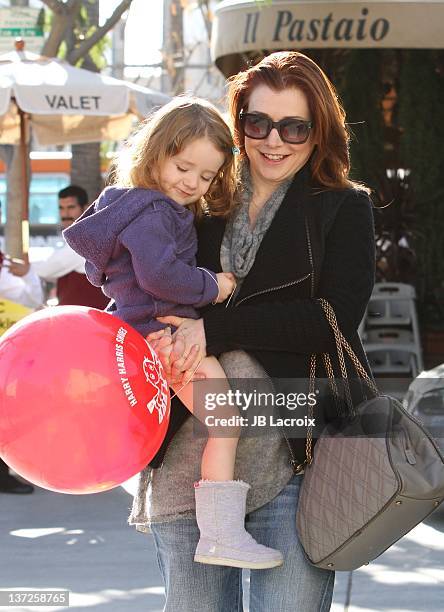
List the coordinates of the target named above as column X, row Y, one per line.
column 64, row 266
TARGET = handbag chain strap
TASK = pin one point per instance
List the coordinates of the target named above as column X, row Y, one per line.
column 341, row 343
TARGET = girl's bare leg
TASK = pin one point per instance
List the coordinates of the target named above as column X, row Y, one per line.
column 219, row 454
column 221, row 501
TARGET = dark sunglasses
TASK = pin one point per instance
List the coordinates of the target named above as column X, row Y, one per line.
column 290, row 129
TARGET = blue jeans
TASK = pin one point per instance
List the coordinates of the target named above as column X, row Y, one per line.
column 294, row 587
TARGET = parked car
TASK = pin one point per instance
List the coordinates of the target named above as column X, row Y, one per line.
column 425, row 401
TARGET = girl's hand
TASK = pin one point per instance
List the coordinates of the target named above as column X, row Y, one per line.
column 178, row 367
column 160, row 338
column 227, row 284
column 189, row 347
column 162, row 344
column 192, row 330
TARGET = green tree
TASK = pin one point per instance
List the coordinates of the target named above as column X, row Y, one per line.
column 421, row 95
column 75, row 42
column 75, row 36
column 361, row 91
column 85, row 164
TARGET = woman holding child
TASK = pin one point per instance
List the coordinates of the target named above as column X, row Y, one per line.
column 301, row 230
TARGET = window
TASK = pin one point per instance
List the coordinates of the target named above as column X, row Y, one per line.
column 43, row 201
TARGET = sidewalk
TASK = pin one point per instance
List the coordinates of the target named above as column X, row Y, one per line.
column 409, row 577
column 82, row 543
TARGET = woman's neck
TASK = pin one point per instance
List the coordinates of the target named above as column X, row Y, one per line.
column 261, row 191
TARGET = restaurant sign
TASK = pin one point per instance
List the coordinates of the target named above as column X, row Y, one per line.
column 288, row 28
column 241, row 26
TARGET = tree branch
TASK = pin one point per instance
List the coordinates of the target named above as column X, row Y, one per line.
column 63, row 20
column 55, row 6
column 87, row 44
column 205, row 12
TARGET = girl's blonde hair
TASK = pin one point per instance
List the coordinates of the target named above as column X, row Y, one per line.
column 165, row 134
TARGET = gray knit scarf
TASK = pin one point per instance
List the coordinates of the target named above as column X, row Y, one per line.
column 241, row 242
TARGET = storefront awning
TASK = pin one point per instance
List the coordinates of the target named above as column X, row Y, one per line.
column 245, row 26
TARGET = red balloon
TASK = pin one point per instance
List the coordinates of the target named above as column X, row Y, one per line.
column 84, row 401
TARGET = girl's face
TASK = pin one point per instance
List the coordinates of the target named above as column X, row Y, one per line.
column 272, row 160
column 187, row 176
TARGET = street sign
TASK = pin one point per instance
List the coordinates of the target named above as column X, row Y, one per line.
column 23, row 22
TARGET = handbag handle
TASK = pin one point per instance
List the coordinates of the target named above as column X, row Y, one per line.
column 341, row 343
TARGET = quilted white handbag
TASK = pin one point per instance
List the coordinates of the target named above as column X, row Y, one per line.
column 360, row 494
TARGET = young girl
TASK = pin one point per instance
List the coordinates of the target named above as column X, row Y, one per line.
column 140, row 244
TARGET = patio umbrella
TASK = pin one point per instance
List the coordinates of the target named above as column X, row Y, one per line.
column 63, row 104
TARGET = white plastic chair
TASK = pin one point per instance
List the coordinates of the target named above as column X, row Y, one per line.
column 391, row 332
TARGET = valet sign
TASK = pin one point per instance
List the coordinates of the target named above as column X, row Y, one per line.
column 242, row 26
column 20, row 22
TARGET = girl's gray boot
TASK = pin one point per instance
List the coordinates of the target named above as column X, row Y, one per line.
column 220, row 514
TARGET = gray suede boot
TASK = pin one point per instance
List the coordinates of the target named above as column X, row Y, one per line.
column 220, row 514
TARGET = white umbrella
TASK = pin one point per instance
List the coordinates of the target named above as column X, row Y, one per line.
column 64, row 104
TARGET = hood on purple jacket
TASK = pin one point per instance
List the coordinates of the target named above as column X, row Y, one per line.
column 94, row 233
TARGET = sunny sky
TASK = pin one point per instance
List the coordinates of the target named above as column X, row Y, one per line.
column 143, row 30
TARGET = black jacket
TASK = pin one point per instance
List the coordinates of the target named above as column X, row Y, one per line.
column 320, row 243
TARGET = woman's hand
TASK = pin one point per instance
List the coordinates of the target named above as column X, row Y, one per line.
column 189, row 347
column 178, row 357
column 192, row 330
column 162, row 344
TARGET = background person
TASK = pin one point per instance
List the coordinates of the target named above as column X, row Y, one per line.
column 26, row 291
column 65, row 267
column 303, row 230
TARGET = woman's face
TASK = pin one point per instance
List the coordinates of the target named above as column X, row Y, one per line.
column 272, row 161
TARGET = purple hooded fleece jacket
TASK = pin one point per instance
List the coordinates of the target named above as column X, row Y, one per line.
column 140, row 247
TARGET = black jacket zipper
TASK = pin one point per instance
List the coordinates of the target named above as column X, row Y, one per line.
column 295, row 464
column 247, row 297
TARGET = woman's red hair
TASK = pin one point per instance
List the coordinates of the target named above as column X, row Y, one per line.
column 330, row 162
